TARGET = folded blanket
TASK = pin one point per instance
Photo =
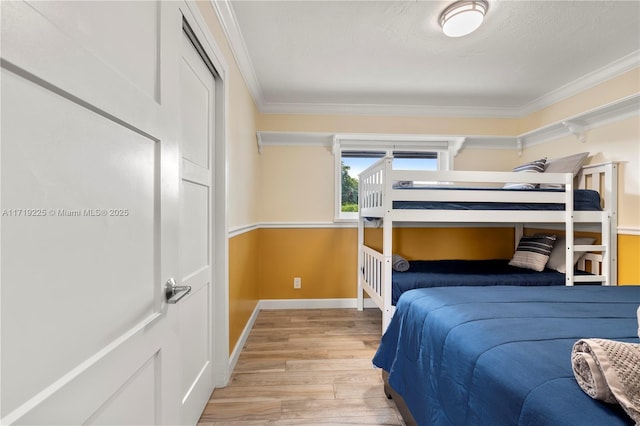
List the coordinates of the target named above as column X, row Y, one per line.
column 399, row 263
column 608, row 370
column 639, row 322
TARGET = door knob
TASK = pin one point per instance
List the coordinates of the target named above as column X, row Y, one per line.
column 175, row 292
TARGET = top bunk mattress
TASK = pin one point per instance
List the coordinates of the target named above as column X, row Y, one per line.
column 583, row 200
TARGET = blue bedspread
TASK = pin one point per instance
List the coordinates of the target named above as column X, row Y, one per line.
column 447, row 273
column 583, row 200
column 502, row 355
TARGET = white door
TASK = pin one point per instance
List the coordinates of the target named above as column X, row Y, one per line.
column 197, row 89
column 90, row 206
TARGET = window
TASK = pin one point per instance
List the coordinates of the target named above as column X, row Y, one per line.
column 351, row 164
column 353, row 161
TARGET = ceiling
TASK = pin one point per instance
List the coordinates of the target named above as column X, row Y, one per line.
column 391, row 57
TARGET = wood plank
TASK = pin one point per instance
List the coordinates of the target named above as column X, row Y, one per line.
column 279, row 392
column 329, row 365
column 243, row 410
column 306, row 378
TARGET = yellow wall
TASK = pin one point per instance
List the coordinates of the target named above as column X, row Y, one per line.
column 447, row 243
column 244, row 278
column 628, row 256
column 325, row 259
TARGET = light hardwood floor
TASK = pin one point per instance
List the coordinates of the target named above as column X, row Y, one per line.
column 306, row 367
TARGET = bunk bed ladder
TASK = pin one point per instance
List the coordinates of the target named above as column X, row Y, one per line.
column 569, row 229
column 387, row 244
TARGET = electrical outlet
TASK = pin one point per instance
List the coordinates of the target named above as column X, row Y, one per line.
column 297, row 282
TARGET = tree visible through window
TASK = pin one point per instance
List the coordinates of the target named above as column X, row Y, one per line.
column 352, row 163
column 349, row 190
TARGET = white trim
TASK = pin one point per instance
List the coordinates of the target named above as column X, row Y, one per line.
column 220, row 326
column 592, row 79
column 214, row 52
column 348, row 224
column 226, row 15
column 268, row 304
column 272, row 138
column 622, row 108
column 629, row 230
column 268, row 138
column 234, row 232
column 227, row 18
column 286, row 225
column 388, row 110
column 292, row 225
column 237, row 350
column 578, row 124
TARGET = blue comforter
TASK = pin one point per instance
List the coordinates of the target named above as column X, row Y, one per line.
column 502, row 355
column 448, row 273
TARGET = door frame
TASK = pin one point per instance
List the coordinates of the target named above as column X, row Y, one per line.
column 220, row 255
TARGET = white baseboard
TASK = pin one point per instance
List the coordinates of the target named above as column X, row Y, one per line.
column 312, row 303
column 233, row 359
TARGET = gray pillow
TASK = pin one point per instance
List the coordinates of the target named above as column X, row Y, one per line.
column 533, row 252
column 568, row 164
column 557, row 258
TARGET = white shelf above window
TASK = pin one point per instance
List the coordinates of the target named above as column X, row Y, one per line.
column 577, row 125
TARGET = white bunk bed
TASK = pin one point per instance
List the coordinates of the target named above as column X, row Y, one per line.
column 377, row 195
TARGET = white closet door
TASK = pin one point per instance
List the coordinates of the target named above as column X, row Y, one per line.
column 89, row 189
column 197, row 90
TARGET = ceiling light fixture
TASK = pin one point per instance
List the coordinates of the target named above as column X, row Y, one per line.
column 463, row 17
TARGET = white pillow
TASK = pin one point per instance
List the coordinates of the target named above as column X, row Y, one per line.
column 568, row 164
column 558, row 256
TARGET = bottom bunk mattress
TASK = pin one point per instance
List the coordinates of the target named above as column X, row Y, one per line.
column 502, row 355
column 448, row 273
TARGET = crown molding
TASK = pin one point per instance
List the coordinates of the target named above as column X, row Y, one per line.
column 387, row 110
column 227, row 18
column 226, row 15
column 578, row 124
column 592, row 79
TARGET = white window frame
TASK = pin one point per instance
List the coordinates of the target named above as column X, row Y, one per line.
column 445, row 148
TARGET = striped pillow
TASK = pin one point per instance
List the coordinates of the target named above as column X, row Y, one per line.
column 533, row 252
column 536, row 166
